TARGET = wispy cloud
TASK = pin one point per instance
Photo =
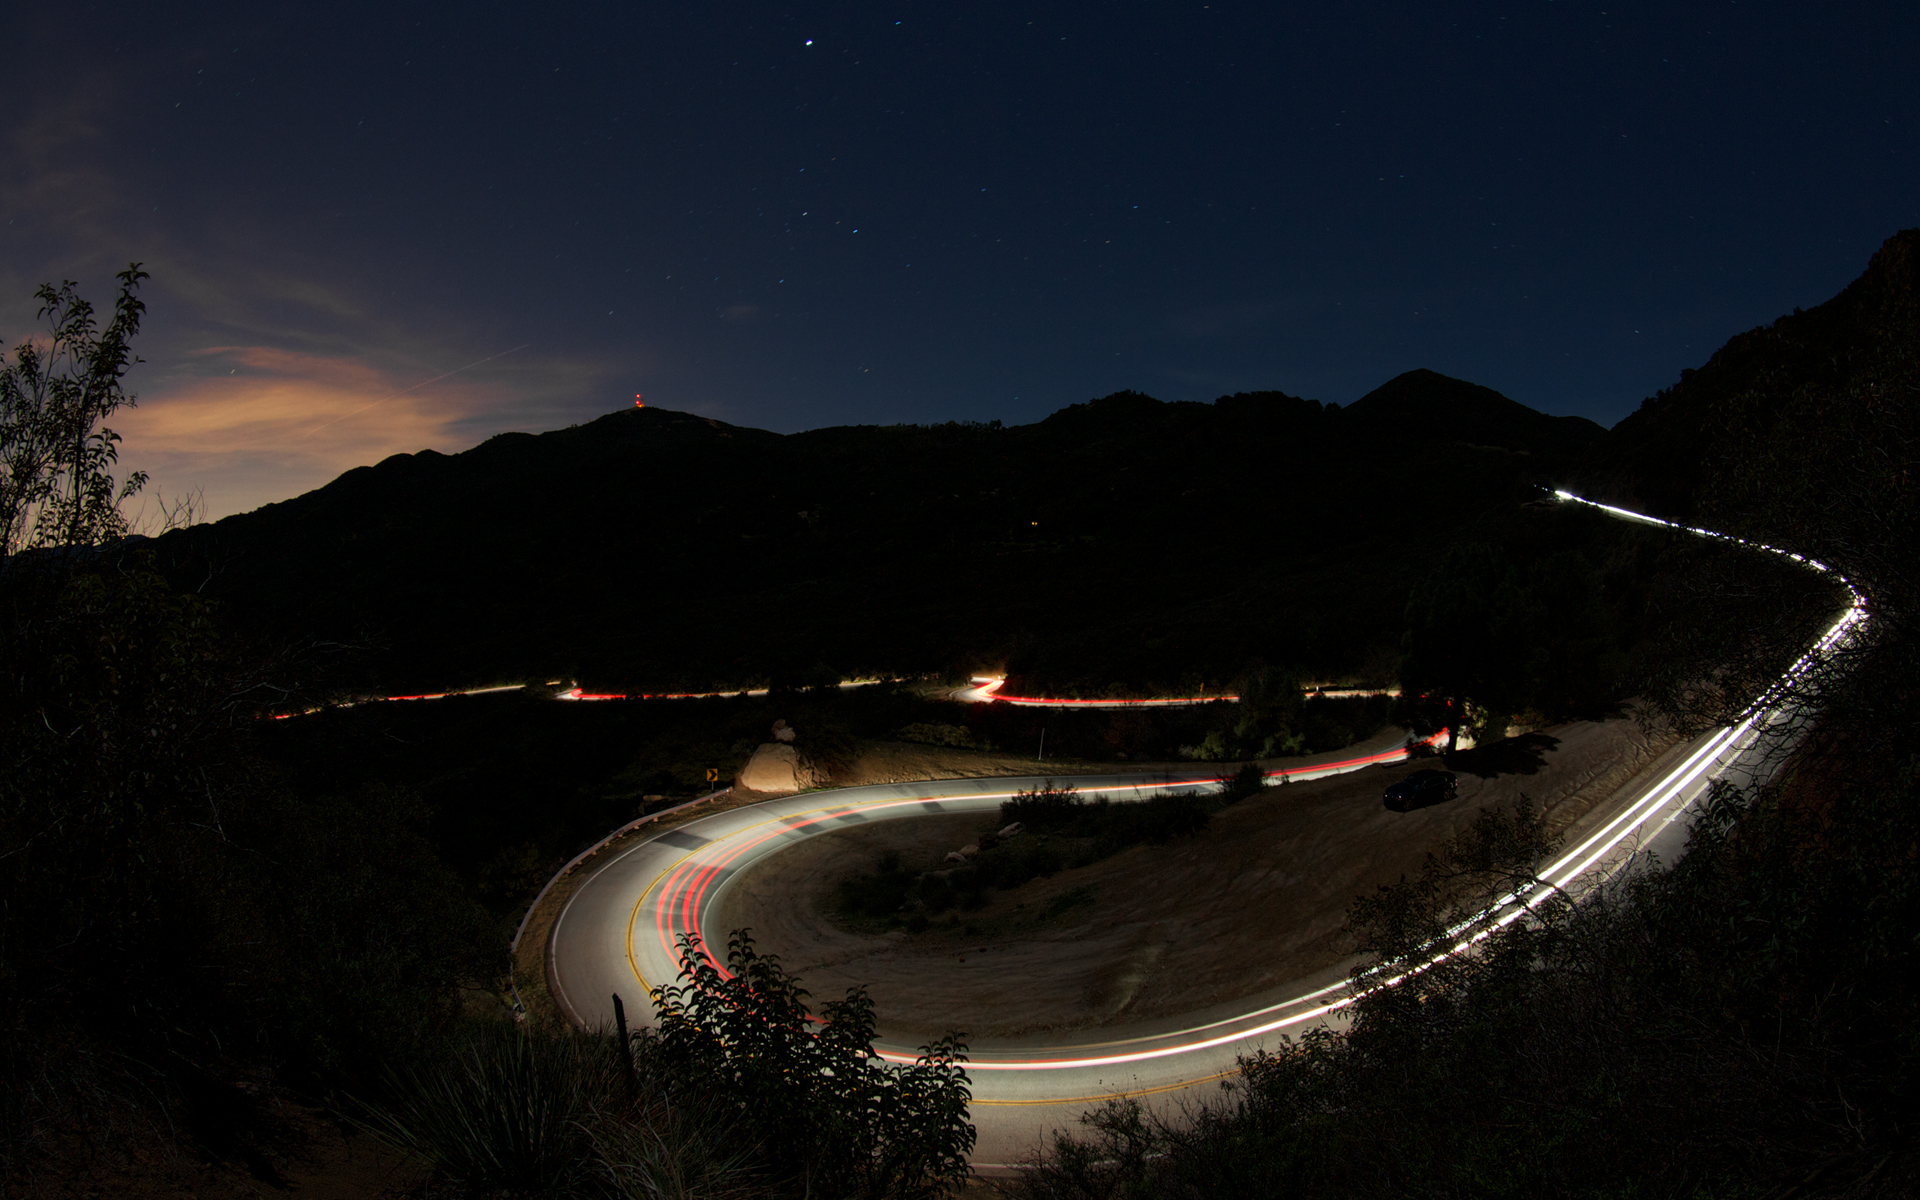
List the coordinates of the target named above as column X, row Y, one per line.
column 279, row 354
column 248, row 425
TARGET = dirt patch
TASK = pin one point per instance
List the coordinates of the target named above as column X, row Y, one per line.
column 1257, row 901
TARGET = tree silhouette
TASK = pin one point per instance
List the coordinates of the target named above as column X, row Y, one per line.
column 56, row 458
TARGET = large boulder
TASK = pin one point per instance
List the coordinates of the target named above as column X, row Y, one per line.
column 777, row 769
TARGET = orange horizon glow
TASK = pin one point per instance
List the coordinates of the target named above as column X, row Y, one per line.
column 278, row 423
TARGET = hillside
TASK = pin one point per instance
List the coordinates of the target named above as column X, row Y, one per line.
column 1663, row 457
column 206, row 914
column 658, row 549
column 1121, row 543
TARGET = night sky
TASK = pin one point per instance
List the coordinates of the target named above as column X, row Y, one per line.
column 795, row 216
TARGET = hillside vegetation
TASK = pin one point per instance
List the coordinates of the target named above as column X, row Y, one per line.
column 1737, row 1023
column 204, row 913
column 652, row 550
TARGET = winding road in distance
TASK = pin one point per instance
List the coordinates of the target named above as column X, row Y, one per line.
column 617, row 933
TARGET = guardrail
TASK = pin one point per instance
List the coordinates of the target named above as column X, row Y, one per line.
column 596, row 848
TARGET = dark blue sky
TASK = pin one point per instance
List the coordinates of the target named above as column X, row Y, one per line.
column 792, row 216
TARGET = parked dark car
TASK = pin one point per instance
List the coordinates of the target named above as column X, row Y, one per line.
column 1421, row 789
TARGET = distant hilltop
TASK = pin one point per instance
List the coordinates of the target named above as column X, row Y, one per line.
column 1427, row 404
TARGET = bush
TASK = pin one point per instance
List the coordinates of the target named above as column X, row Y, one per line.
column 1111, row 827
column 555, row 1114
column 506, row 1112
column 1736, row 1025
column 1249, row 780
column 830, row 1118
column 1044, row 811
column 1020, row 859
column 739, row 1092
column 1061, row 829
column 1161, row 818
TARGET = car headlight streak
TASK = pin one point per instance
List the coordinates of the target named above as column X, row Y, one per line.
column 681, row 892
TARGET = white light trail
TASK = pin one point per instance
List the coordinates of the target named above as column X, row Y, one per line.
column 670, row 889
column 1669, row 793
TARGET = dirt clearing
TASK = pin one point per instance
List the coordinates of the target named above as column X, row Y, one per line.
column 1255, row 902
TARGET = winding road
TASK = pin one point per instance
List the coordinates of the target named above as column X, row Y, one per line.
column 617, row 932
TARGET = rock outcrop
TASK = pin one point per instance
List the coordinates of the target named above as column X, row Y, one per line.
column 778, row 769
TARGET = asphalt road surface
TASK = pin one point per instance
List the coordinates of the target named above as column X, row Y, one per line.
column 617, row 933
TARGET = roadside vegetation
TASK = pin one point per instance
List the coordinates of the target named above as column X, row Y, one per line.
column 1740, row 1022
column 510, row 786
column 1038, row 835
column 1737, row 1022
column 205, row 913
column 947, row 578
column 1274, row 718
column 176, row 925
column 740, row 1093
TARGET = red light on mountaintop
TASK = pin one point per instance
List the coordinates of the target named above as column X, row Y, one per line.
column 638, row 402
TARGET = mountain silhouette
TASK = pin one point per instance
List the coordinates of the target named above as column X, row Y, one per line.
column 1660, row 457
column 653, row 549
column 1123, row 542
column 1427, row 404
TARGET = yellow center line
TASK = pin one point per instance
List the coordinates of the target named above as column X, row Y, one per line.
column 634, row 915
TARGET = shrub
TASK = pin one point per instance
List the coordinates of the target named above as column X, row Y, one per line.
column 830, row 1117
column 1044, row 811
column 1108, row 827
column 1238, row 785
column 740, row 1092
column 1014, row 862
column 554, row 1114
column 507, row 1112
